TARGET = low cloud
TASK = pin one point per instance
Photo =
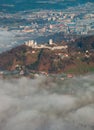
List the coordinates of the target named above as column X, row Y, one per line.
column 6, row 40
column 46, row 104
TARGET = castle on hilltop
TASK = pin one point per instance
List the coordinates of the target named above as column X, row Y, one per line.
column 31, row 43
column 50, row 45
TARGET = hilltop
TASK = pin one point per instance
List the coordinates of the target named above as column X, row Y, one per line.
column 77, row 58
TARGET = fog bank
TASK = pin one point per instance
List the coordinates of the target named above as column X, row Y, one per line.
column 46, row 104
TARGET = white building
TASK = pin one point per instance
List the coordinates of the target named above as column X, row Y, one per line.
column 50, row 41
column 31, row 43
column 35, row 43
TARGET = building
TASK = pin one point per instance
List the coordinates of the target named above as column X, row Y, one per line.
column 50, row 41
column 31, row 43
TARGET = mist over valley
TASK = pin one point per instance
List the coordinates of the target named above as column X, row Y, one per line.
column 45, row 104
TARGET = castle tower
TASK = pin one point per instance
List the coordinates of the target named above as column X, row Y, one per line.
column 50, row 41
